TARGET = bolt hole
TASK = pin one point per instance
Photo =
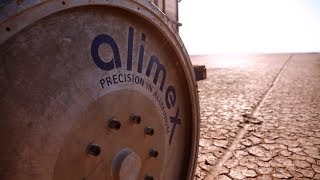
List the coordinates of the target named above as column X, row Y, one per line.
column 93, row 150
column 63, row 3
column 114, row 124
column 153, row 153
column 138, row 8
column 149, row 131
column 117, row 126
column 139, row 120
column 8, row 29
column 135, row 118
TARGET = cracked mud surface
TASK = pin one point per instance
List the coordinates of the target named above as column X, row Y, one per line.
column 279, row 141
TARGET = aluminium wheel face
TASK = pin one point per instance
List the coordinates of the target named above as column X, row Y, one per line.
column 96, row 92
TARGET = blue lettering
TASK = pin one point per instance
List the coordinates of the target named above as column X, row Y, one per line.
column 170, row 97
column 96, row 43
column 141, row 53
column 102, row 82
column 109, row 81
column 120, row 75
column 115, row 79
column 129, row 77
column 159, row 67
column 175, row 120
column 130, row 47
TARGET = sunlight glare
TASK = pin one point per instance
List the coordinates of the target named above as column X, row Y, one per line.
column 250, row 26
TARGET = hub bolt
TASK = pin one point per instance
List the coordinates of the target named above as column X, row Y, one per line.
column 153, row 153
column 93, row 150
column 114, row 124
column 135, row 118
column 149, row 131
column 147, row 177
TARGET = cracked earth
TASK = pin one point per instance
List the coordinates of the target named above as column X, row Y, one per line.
column 260, row 117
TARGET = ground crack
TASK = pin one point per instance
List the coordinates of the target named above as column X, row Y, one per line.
column 214, row 171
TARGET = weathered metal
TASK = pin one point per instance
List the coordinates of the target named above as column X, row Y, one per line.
column 170, row 9
column 200, row 72
column 72, row 75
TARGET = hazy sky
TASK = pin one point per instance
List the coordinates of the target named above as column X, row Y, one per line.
column 240, row 26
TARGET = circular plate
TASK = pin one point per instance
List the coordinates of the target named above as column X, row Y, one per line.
column 96, row 92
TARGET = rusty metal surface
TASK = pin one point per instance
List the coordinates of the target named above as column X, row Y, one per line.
column 16, row 15
column 200, row 71
column 70, row 68
column 171, row 10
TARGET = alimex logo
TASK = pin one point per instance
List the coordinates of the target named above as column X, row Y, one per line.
column 135, row 75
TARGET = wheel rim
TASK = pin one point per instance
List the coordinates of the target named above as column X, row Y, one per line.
column 69, row 67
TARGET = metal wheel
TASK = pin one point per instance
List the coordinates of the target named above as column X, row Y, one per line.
column 98, row 90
